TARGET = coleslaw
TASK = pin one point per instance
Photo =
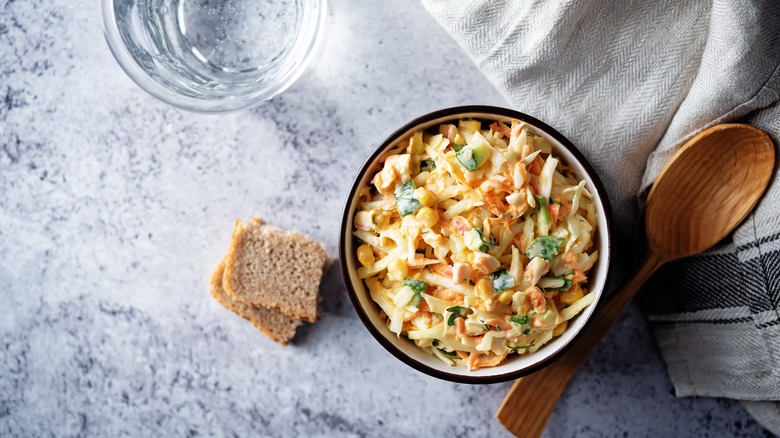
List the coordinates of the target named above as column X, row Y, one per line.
column 476, row 243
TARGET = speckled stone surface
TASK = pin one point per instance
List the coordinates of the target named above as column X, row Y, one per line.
column 114, row 209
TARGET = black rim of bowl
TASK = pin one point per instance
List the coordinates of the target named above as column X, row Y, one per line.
column 451, row 112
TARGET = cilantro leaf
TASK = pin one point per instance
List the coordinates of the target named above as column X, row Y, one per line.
column 520, row 319
column 457, row 312
column 418, row 286
column 467, row 159
column 545, row 247
column 502, row 280
column 516, row 347
column 524, row 321
column 554, row 283
column 545, row 213
column 405, row 200
column 485, row 244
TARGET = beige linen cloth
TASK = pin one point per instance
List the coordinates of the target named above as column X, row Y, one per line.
column 628, row 82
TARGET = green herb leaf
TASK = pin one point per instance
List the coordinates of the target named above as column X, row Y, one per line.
column 487, row 244
column 523, row 321
column 545, row 247
column 543, row 208
column 457, row 312
column 431, row 164
column 476, row 241
column 447, row 353
column 467, row 159
column 554, row 283
column 405, row 190
column 502, row 280
column 405, row 200
column 516, row 347
column 418, row 286
column 457, row 147
column 520, row 319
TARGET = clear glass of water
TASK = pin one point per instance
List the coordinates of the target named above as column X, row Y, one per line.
column 213, row 55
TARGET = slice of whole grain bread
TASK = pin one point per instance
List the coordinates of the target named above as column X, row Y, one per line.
column 274, row 324
column 267, row 266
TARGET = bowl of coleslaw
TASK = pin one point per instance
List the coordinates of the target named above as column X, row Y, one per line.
column 475, row 244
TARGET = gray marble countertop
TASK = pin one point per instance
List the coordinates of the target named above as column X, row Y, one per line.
column 115, row 208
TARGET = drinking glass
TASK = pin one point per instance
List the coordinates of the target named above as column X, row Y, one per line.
column 213, row 56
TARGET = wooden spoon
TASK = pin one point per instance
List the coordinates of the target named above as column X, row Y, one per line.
column 703, row 193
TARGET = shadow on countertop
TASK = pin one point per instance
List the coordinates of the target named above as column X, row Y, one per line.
column 334, row 301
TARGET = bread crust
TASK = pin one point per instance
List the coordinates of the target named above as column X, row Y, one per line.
column 274, row 324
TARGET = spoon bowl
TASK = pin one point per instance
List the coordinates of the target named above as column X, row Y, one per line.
column 710, row 185
column 708, row 188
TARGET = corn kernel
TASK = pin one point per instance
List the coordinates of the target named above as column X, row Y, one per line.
column 425, row 197
column 381, row 221
column 365, row 255
column 484, row 289
column 428, row 216
column 397, row 270
column 458, row 139
column 505, row 297
column 572, row 295
column 560, row 328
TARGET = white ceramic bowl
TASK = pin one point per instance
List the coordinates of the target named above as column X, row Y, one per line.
column 516, row 365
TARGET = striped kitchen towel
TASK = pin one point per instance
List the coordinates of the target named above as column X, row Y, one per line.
column 629, row 81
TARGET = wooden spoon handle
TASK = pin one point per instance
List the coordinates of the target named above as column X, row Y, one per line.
column 531, row 400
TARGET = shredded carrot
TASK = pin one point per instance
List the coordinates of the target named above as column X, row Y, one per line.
column 536, row 166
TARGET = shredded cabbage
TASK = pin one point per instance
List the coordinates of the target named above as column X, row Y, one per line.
column 479, row 242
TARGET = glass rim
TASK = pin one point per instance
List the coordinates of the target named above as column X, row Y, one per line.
column 134, row 71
